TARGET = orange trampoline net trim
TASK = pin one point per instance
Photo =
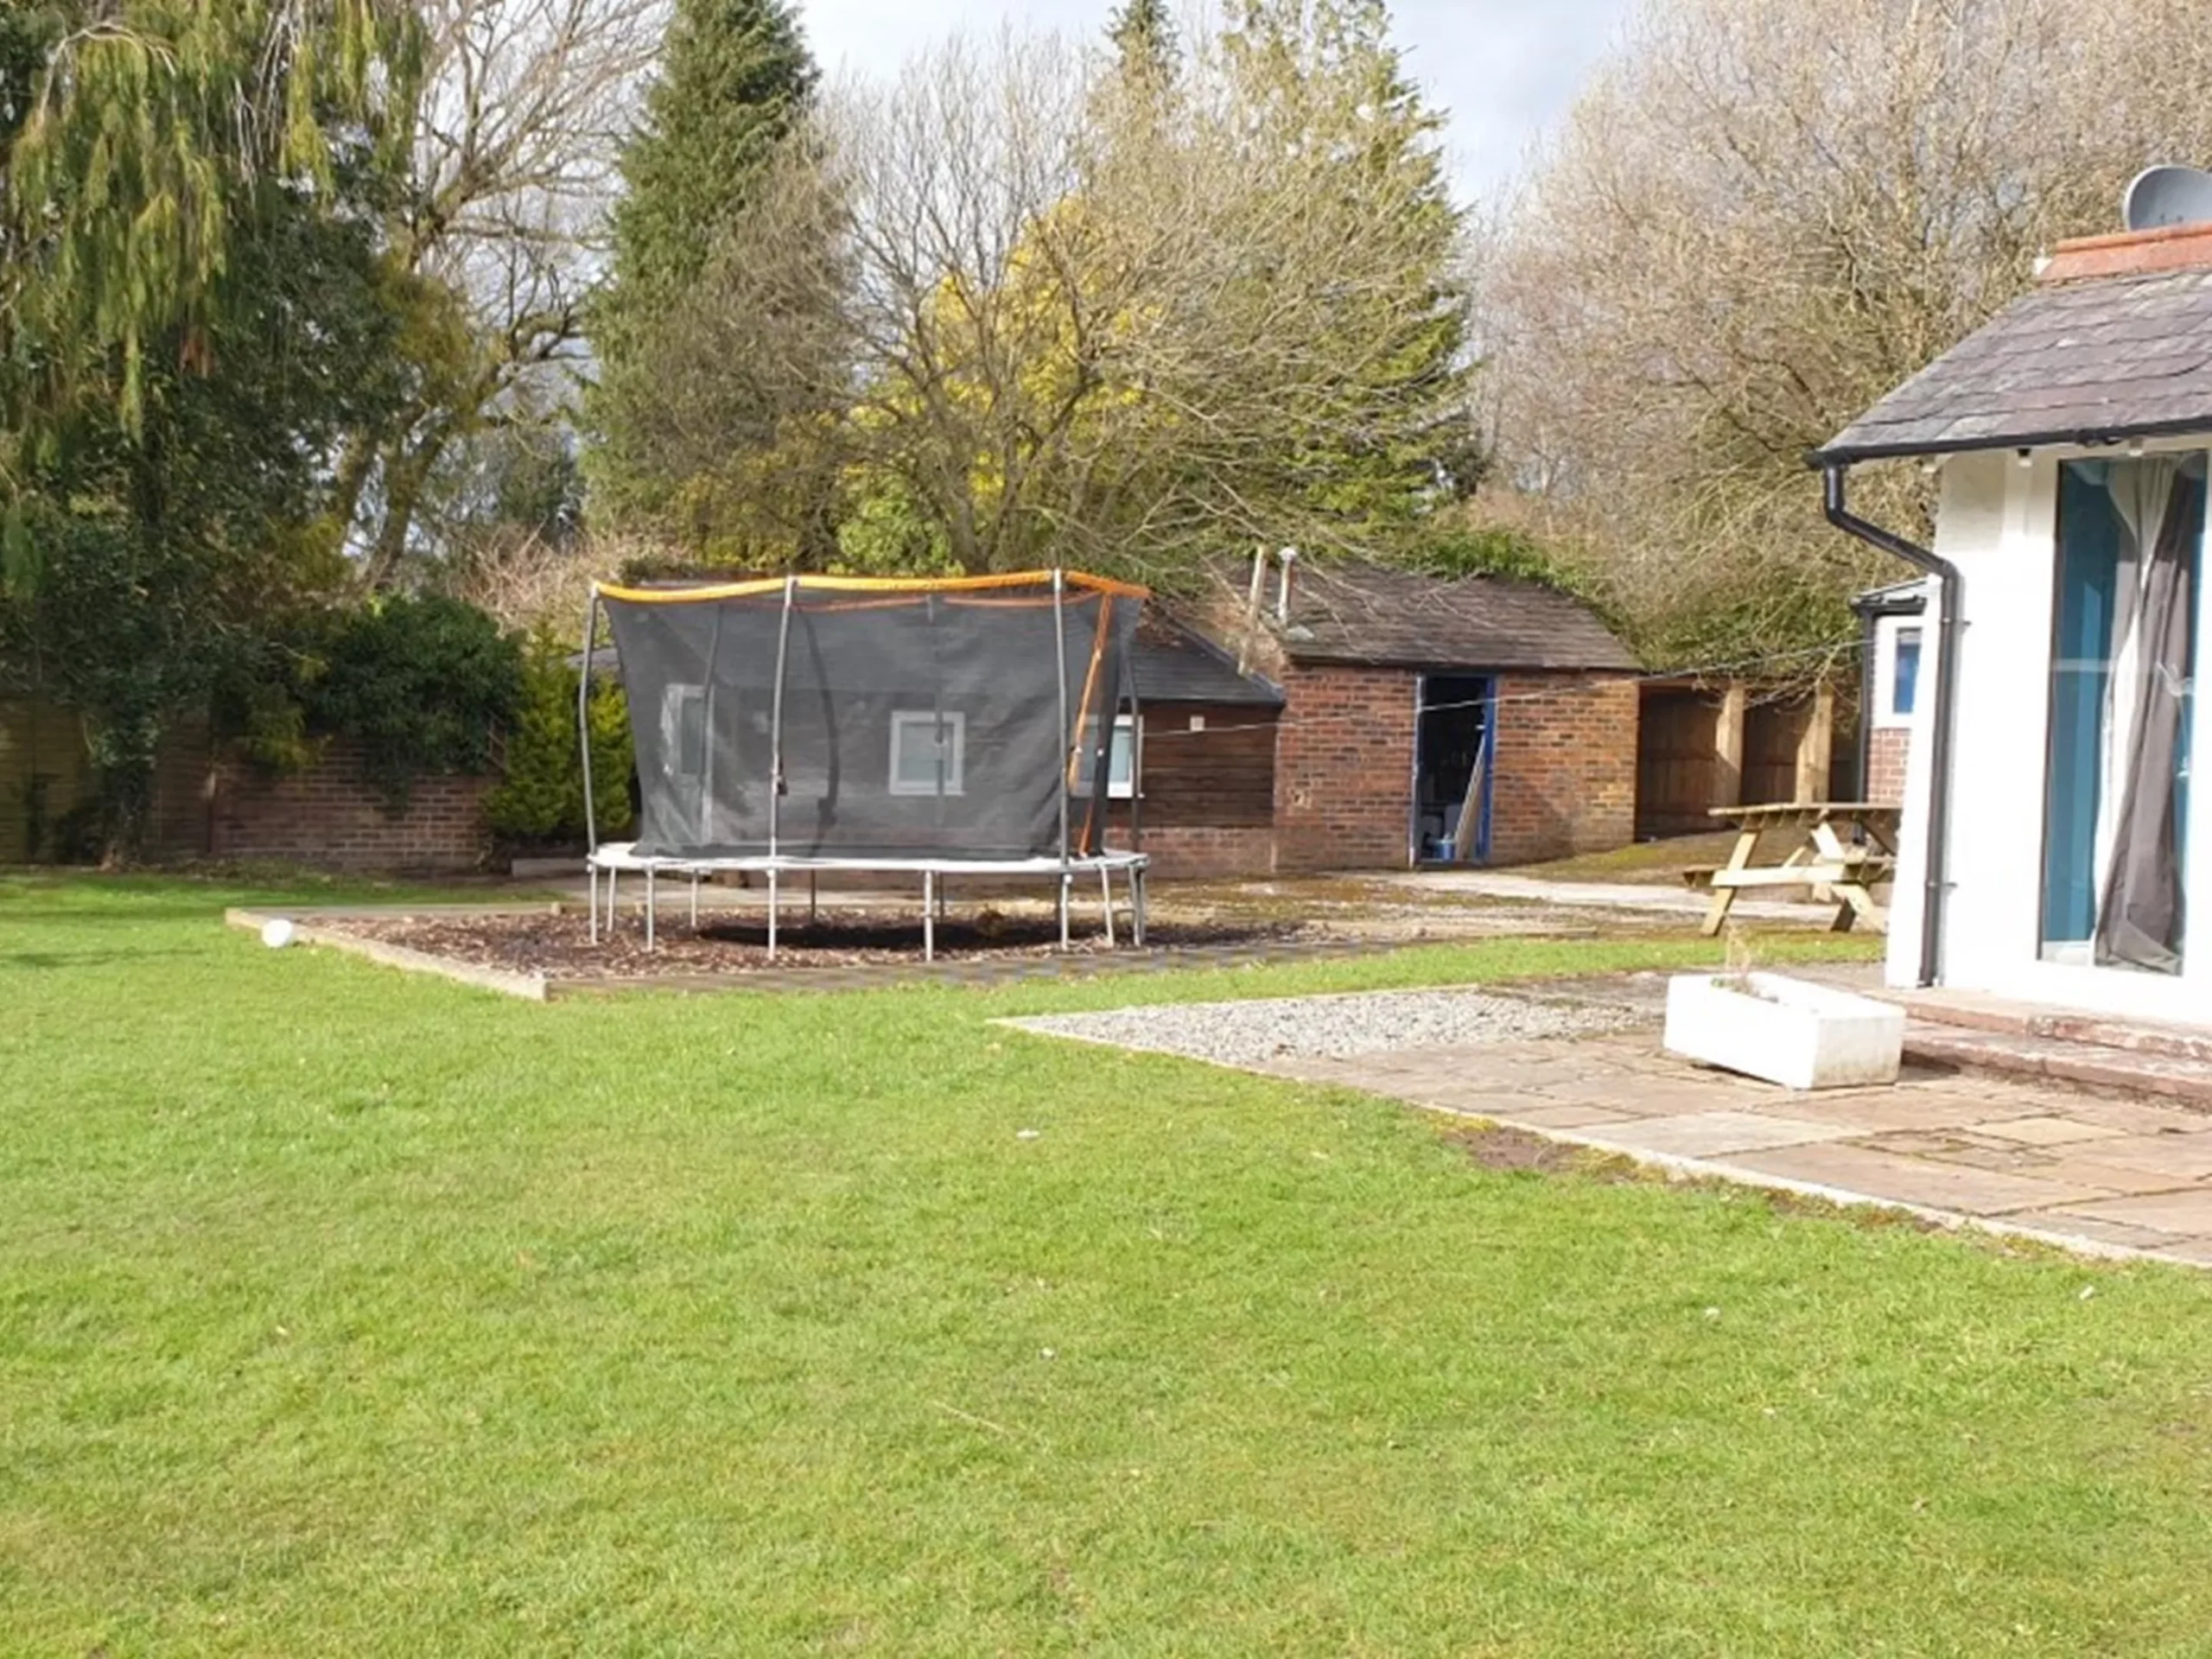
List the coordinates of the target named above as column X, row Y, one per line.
column 757, row 588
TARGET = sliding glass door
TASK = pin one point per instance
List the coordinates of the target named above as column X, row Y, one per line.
column 2123, row 658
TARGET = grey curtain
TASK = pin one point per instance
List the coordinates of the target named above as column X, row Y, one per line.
column 2141, row 912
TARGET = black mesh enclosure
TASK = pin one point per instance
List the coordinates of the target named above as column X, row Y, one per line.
column 914, row 719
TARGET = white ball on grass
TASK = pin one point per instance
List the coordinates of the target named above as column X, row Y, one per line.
column 278, row 933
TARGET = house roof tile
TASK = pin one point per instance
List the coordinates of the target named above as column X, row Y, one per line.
column 2089, row 361
column 1171, row 664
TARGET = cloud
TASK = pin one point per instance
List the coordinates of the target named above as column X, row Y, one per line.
column 1506, row 69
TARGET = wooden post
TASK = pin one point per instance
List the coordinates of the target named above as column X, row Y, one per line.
column 1817, row 747
column 1726, row 776
column 1468, row 826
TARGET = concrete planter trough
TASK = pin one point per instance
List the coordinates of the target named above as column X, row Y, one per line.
column 1785, row 1030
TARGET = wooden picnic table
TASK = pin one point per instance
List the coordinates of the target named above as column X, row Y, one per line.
column 1842, row 850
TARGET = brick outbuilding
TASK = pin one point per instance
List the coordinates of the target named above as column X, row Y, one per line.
column 1398, row 707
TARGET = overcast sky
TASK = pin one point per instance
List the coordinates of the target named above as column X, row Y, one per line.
column 1506, row 69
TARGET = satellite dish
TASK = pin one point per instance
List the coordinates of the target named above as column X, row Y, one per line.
column 2163, row 197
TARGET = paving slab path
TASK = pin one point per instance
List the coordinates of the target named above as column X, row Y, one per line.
column 1598, row 895
column 2103, row 1175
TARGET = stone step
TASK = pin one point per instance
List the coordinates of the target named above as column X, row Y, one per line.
column 2177, row 1078
column 1988, row 1014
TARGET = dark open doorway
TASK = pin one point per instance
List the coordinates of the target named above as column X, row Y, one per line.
column 1452, row 768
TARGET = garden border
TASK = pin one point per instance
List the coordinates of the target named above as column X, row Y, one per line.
column 308, row 921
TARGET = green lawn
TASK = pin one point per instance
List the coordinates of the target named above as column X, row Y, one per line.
column 346, row 1314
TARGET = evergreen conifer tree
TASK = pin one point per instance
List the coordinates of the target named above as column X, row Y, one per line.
column 735, row 78
column 1143, row 34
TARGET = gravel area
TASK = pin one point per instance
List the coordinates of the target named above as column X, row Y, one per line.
column 1336, row 1027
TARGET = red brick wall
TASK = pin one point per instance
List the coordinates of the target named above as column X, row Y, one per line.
column 1887, row 748
column 1196, row 851
column 1344, row 768
column 1565, row 776
column 330, row 816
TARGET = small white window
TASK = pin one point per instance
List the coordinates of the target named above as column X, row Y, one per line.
column 1896, row 690
column 1125, row 758
column 929, row 752
column 683, row 729
column 1904, row 672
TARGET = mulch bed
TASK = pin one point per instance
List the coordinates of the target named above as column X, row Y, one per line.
column 559, row 945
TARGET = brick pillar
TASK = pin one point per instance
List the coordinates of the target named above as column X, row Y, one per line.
column 1344, row 768
column 1565, row 778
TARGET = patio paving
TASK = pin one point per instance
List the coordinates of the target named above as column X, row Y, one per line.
column 2108, row 1177
column 2100, row 1174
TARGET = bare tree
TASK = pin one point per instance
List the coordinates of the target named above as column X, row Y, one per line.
column 1029, row 306
column 1760, row 217
column 497, row 241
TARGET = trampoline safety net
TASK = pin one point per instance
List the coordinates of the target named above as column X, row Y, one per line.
column 825, row 717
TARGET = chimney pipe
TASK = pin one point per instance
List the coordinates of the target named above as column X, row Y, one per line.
column 1252, row 596
column 1289, row 560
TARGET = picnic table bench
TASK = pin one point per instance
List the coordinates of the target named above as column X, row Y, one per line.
column 1841, row 850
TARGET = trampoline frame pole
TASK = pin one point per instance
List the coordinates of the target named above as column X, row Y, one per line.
column 1136, row 756
column 776, row 758
column 584, row 741
column 1067, row 738
column 1136, row 807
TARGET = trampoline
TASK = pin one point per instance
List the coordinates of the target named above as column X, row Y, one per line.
column 929, row 728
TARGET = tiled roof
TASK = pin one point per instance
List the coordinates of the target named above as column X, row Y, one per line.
column 2114, row 357
column 1172, row 664
column 1347, row 612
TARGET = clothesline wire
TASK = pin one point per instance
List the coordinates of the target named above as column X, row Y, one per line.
column 1708, row 671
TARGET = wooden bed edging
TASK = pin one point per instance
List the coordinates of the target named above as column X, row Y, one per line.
column 530, row 988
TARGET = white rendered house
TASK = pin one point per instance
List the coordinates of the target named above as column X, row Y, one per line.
column 2053, row 851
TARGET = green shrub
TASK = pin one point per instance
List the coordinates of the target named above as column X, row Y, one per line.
column 542, row 796
column 422, row 685
column 1488, row 550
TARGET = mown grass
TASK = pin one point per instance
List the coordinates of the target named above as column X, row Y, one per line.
column 342, row 1313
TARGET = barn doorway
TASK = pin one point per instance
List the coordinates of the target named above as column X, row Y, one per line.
column 1452, row 766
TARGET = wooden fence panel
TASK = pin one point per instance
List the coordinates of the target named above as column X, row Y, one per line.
column 1677, row 761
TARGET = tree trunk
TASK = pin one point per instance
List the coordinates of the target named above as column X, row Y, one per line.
column 123, row 746
column 407, row 474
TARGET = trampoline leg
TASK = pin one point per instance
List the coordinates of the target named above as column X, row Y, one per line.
column 773, row 896
column 591, row 890
column 611, row 875
column 928, row 916
column 1136, row 906
column 694, row 901
column 1067, row 881
column 1106, row 902
column 813, row 897
column 651, row 903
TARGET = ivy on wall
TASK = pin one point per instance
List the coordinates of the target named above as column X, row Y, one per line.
column 423, row 685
